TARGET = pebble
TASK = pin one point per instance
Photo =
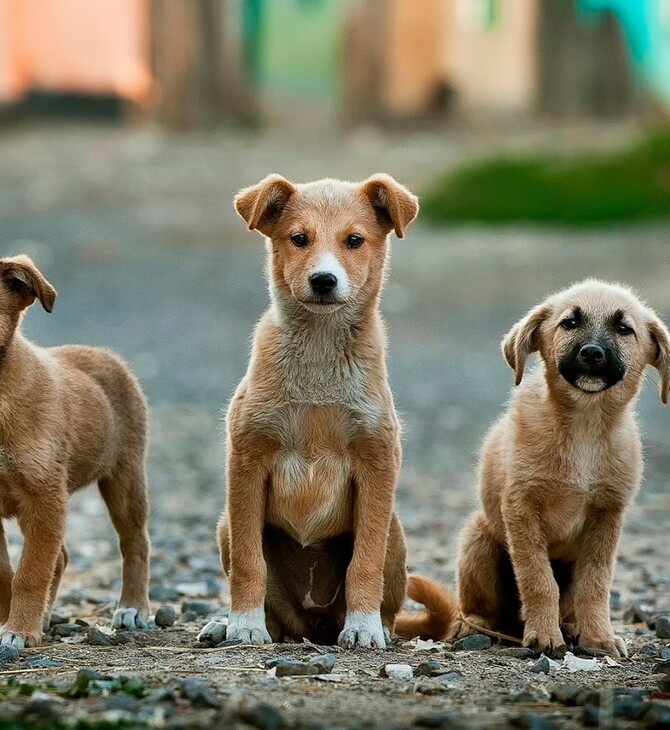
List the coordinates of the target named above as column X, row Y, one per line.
column 397, row 671
column 188, row 617
column 663, row 626
column 648, row 650
column 40, row 661
column 63, row 631
column 8, row 654
column 198, row 694
column 450, row 676
column 322, row 664
column 199, row 608
column 665, row 652
column 163, row 593
column 541, row 666
column 476, row 642
column 165, row 616
column 518, row 652
column 635, row 614
column 97, row 638
column 261, row 715
column 122, row 701
column 662, row 667
column 57, row 618
column 429, row 668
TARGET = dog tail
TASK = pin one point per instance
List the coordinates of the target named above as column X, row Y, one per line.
column 436, row 621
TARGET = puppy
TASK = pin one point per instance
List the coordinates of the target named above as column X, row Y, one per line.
column 556, row 474
column 309, row 540
column 68, row 416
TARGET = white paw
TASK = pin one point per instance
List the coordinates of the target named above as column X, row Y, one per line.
column 364, row 630
column 11, row 638
column 129, row 618
column 248, row 627
column 214, row 632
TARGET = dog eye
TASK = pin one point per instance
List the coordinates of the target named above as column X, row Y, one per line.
column 624, row 329
column 354, row 241
column 569, row 323
column 299, row 239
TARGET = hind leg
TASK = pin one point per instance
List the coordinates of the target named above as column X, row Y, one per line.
column 479, row 579
column 6, row 576
column 125, row 494
column 395, row 577
column 61, row 564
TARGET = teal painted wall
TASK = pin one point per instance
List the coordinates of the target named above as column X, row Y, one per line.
column 646, row 24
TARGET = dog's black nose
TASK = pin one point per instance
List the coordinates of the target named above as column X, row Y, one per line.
column 592, row 354
column 322, row 282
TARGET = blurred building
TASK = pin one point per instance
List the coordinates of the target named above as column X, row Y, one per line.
column 194, row 62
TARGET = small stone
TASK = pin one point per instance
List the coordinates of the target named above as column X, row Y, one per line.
column 163, row 593
column 648, row 650
column 40, row 661
column 8, row 654
column 124, row 702
column 226, row 643
column 97, row 638
column 429, row 668
column 301, row 667
column 664, row 683
column 261, row 715
column 541, row 666
column 570, row 694
column 57, row 618
column 63, row 631
column 397, row 671
column 198, row 694
column 82, row 623
column 200, row 608
column 663, row 627
column 475, row 642
column 518, row 652
column 662, row 668
column 450, row 676
column 165, row 616
column 188, row 617
column 665, row 652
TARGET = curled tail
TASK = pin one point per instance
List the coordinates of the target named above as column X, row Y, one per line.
column 439, row 616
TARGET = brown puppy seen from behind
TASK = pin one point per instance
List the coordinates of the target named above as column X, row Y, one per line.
column 310, row 541
column 69, row 416
column 557, row 472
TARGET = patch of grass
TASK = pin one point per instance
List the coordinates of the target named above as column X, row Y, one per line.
column 630, row 185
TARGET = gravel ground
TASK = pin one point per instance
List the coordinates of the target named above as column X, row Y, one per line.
column 137, row 233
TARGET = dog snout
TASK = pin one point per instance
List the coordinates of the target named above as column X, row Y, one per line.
column 323, row 282
column 592, row 355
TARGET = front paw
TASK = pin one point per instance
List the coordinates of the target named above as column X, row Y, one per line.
column 248, row 627
column 364, row 630
column 610, row 644
column 129, row 618
column 547, row 640
column 469, row 625
column 18, row 639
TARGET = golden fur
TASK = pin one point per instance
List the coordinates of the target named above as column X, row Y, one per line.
column 313, row 438
column 69, row 416
column 556, row 474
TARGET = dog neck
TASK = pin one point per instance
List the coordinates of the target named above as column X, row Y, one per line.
column 326, row 358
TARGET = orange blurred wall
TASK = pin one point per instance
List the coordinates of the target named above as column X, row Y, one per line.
column 74, row 46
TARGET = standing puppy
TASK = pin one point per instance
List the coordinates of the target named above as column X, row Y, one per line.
column 69, row 416
column 310, row 540
column 556, row 474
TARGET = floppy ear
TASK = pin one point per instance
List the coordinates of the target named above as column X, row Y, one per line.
column 660, row 358
column 261, row 205
column 393, row 203
column 521, row 340
column 24, row 280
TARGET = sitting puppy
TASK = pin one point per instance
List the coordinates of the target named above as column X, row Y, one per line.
column 556, row 474
column 310, row 541
column 68, row 416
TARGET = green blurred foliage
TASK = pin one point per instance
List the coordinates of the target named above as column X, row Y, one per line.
column 629, row 185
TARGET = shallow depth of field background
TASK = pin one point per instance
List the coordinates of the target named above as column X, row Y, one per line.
column 536, row 133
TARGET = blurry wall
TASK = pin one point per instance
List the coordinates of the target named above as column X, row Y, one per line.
column 75, row 46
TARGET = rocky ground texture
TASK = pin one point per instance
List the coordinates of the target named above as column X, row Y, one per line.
column 136, row 231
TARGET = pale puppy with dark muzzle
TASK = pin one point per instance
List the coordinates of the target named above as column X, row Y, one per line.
column 310, row 540
column 556, row 474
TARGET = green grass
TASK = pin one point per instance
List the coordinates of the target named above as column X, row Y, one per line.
column 630, row 185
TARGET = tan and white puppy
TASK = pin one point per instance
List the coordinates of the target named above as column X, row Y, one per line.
column 69, row 416
column 557, row 472
column 309, row 539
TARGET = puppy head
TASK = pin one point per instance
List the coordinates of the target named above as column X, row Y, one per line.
column 592, row 337
column 20, row 284
column 328, row 239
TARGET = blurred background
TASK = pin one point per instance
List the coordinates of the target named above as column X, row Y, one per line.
column 534, row 131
